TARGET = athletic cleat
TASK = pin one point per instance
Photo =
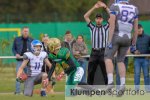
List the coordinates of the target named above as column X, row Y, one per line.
column 109, row 88
column 43, row 93
column 17, row 93
column 121, row 91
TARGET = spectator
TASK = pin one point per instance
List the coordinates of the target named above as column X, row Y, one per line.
column 99, row 37
column 80, row 49
column 69, row 41
column 142, row 47
column 21, row 45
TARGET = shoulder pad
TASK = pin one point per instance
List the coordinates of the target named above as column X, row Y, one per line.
column 64, row 53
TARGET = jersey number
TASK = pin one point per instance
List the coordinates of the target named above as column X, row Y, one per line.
column 37, row 65
column 127, row 16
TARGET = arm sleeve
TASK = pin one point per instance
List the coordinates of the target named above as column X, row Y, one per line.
column 114, row 9
column 85, row 51
column 91, row 26
column 14, row 47
column 63, row 54
column 46, row 56
column 67, row 55
column 74, row 49
column 136, row 13
column 106, row 26
column 50, row 72
column 72, row 67
column 25, row 57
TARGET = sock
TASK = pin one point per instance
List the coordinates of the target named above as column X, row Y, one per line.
column 122, row 79
column 43, row 89
column 110, row 78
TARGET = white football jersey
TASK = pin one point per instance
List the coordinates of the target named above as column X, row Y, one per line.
column 125, row 16
column 35, row 62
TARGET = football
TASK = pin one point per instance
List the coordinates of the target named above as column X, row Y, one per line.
column 23, row 76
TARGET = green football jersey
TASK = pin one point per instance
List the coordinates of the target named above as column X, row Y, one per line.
column 65, row 59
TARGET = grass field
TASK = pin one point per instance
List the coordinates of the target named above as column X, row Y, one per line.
column 7, row 87
column 35, row 97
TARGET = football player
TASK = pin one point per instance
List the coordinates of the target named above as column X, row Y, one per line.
column 34, row 61
column 123, row 18
column 70, row 66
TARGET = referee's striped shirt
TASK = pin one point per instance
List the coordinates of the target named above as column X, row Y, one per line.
column 99, row 35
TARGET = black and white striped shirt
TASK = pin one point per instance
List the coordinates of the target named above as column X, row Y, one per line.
column 99, row 35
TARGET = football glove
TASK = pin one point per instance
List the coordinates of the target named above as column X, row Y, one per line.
column 132, row 49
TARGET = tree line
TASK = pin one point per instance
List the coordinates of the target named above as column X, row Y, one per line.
column 16, row 11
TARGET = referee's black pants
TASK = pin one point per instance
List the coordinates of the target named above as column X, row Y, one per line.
column 96, row 59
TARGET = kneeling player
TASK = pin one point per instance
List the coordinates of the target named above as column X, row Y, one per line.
column 34, row 61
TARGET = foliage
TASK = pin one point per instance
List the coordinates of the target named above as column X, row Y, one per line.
column 44, row 10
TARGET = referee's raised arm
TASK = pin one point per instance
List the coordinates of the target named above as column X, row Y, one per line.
column 88, row 13
column 96, row 6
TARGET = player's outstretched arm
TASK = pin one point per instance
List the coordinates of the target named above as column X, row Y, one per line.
column 111, row 27
column 135, row 31
column 48, row 63
column 23, row 65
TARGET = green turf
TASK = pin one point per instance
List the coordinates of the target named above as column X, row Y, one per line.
column 145, row 97
column 7, row 87
column 7, row 81
column 34, row 97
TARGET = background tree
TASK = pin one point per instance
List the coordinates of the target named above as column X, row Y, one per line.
column 44, row 10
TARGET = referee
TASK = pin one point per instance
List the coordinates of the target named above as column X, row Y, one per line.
column 99, row 35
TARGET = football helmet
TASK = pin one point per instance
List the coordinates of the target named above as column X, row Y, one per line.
column 53, row 44
column 34, row 49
